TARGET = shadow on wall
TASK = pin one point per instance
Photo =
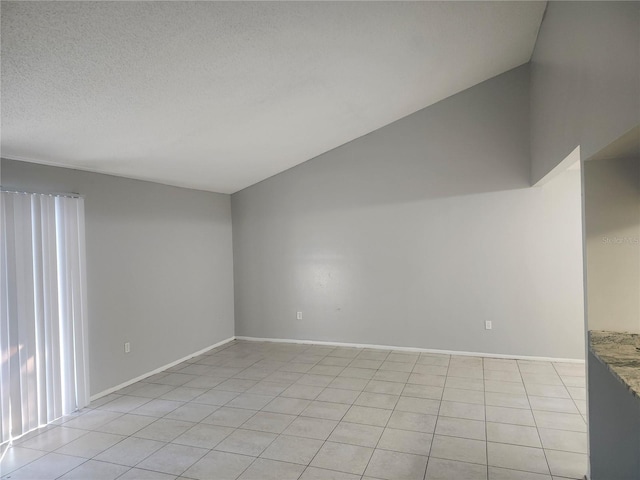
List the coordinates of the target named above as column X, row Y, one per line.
column 474, row 142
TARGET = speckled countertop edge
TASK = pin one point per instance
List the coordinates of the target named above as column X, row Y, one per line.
column 620, row 353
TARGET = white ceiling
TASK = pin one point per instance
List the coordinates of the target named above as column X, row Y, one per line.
column 218, row 96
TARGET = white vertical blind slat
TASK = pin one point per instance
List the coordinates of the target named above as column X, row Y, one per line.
column 43, row 315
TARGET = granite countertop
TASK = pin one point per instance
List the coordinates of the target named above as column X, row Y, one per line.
column 620, row 353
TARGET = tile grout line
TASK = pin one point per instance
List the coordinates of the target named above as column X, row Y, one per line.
column 535, row 422
column 256, row 380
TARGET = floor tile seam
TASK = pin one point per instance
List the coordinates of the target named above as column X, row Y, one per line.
column 40, row 457
column 324, row 442
column 486, row 432
column 437, row 419
column 123, row 413
column 566, row 388
column 535, row 422
column 77, row 466
column 383, row 429
column 489, row 465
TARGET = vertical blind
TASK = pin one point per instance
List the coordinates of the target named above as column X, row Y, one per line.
column 43, row 329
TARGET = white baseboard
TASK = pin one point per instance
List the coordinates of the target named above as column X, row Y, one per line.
column 331, row 344
column 411, row 349
column 158, row 370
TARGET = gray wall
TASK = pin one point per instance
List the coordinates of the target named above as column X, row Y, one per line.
column 614, row 426
column 612, row 226
column 416, row 234
column 585, row 80
column 159, row 268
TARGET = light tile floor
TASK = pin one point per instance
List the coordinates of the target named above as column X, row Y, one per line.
column 250, row 410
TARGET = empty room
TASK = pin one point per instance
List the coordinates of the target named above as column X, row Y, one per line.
column 320, row 240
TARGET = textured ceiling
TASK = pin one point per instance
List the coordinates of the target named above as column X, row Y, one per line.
column 218, row 96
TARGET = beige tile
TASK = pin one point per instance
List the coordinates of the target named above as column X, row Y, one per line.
column 560, row 421
column 504, row 387
column 192, row 412
column 418, row 405
column 16, row 457
column 540, row 390
column 289, row 406
column 227, row 466
column 52, row 439
column 268, row 422
column 510, row 400
column 130, row 451
column 390, row 465
column 571, row 369
column 515, row 416
column 566, row 464
column 203, row 436
column 496, row 473
column 326, row 410
column 164, row 430
column 439, row 469
column 430, row 369
column 403, row 357
column 465, row 372
column 391, row 376
column 346, row 383
column 264, row 469
column 364, row 363
column 549, row 404
column 543, row 378
column 95, row 470
column 417, row 422
column 460, row 427
column 353, row 372
column 173, row 459
column 139, row 474
column 465, row 383
column 356, row 434
column 434, row 359
column 577, row 393
column 389, row 388
column 49, row 466
column 315, row 473
column 422, row 391
column 503, row 376
column 246, row 442
column 268, row 388
column 501, row 364
column 464, row 396
column 377, row 400
column 343, row 458
column 367, row 416
column 460, row 449
column 337, row 395
column 517, row 457
column 424, row 379
column 90, row 445
column 250, row 401
column 462, row 410
column 309, row 427
column 292, row 449
column 229, row 417
column 563, row 440
column 571, row 381
column 513, row 434
column 183, row 394
column 405, row 441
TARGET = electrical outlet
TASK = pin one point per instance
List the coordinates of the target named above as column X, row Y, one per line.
column 488, row 325
column 299, row 315
column 127, row 347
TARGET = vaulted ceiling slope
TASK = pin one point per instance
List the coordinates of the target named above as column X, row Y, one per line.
column 218, row 96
